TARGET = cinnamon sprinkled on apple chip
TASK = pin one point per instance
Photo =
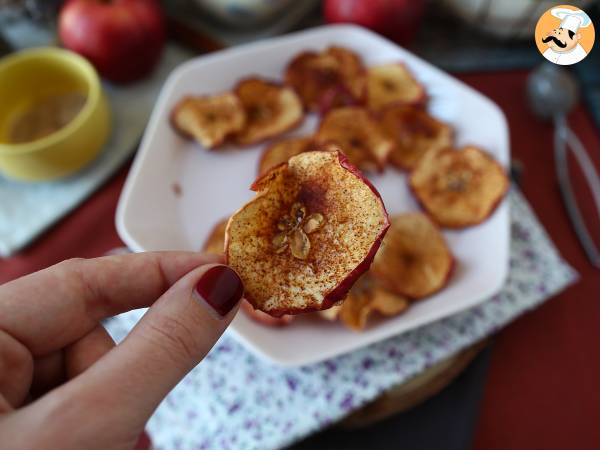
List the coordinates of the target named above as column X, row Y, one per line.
column 358, row 135
column 209, row 119
column 271, row 109
column 311, row 231
column 214, row 245
column 393, row 83
column 414, row 133
column 352, row 70
column 414, row 260
column 282, row 150
column 317, row 76
column 459, row 188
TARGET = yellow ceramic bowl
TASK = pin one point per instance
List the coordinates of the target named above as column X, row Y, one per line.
column 32, row 75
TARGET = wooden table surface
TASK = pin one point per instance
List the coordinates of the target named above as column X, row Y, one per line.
column 542, row 390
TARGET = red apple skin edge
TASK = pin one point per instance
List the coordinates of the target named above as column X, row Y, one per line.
column 123, row 39
column 263, row 318
column 341, row 290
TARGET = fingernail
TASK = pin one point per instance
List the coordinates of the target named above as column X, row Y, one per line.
column 221, row 288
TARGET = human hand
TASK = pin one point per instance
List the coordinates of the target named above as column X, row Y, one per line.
column 63, row 383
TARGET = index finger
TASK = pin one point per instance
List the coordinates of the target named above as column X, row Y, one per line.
column 54, row 307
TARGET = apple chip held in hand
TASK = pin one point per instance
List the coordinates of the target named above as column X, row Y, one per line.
column 271, row 109
column 414, row 260
column 282, row 150
column 393, row 83
column 414, row 133
column 214, row 245
column 318, row 76
column 312, row 229
column 358, row 135
column 459, row 188
column 209, row 119
column 264, row 318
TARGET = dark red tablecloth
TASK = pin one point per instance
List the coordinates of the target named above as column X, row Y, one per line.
column 543, row 388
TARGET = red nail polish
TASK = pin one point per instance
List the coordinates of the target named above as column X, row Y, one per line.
column 221, row 288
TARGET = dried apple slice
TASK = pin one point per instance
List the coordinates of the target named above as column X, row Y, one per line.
column 271, row 109
column 414, row 260
column 331, row 314
column 358, row 135
column 366, row 298
column 313, row 75
column 264, row 318
column 215, row 242
column 414, row 133
column 214, row 245
column 336, row 97
column 311, row 231
column 352, row 70
column 209, row 119
column 393, row 83
column 282, row 150
column 459, row 188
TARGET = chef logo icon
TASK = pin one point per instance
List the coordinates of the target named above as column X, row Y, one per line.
column 564, row 35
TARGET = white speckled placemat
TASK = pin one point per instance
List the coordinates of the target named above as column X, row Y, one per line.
column 28, row 209
column 233, row 400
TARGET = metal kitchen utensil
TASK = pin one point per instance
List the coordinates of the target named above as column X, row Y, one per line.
column 552, row 92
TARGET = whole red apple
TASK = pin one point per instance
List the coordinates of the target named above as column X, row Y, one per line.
column 396, row 19
column 123, row 39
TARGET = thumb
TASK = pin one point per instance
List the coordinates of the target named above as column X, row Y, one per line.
column 178, row 330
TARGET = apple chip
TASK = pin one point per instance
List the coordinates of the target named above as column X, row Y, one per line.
column 313, row 75
column 336, row 97
column 352, row 70
column 366, row 298
column 264, row 318
column 459, row 188
column 332, row 313
column 393, row 83
column 414, row 260
column 312, row 229
column 271, row 109
column 209, row 119
column 215, row 243
column 282, row 150
column 414, row 133
column 358, row 135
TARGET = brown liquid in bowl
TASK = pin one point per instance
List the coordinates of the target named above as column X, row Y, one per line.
column 45, row 117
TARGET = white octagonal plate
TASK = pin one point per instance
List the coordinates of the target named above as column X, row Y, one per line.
column 176, row 191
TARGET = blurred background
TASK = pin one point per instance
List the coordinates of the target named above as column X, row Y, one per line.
column 531, row 385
